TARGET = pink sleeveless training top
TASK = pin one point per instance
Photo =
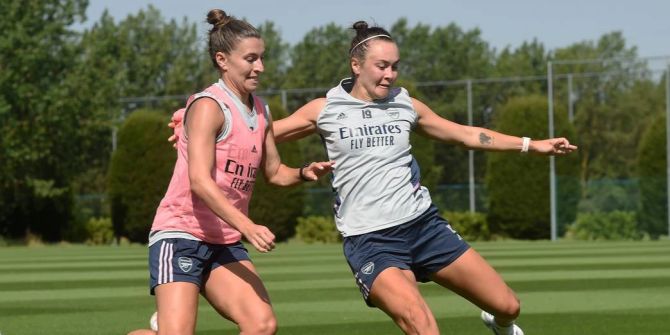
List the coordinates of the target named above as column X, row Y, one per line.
column 237, row 160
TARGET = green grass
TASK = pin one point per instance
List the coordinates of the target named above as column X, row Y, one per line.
column 565, row 288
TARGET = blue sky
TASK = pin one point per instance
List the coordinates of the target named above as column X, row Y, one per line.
column 644, row 23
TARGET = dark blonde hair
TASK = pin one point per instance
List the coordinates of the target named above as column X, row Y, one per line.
column 226, row 32
column 364, row 34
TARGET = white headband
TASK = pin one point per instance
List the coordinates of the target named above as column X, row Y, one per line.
column 367, row 39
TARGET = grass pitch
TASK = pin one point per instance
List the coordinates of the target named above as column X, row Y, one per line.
column 565, row 288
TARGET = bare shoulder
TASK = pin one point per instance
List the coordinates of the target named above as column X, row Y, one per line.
column 317, row 104
column 312, row 109
column 205, row 103
column 418, row 103
column 421, row 108
column 205, row 114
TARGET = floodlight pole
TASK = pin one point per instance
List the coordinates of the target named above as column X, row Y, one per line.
column 114, row 138
column 552, row 161
column 471, row 153
column 284, row 100
column 115, row 128
column 571, row 111
column 667, row 139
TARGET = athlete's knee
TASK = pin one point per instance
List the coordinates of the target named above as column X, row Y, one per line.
column 266, row 325
column 415, row 318
column 510, row 308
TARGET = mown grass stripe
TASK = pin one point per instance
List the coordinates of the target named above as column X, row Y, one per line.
column 574, row 288
column 64, row 285
column 353, row 309
column 583, row 260
column 71, row 266
column 99, row 292
column 9, row 260
column 334, row 288
column 639, row 262
column 585, row 274
column 552, row 255
column 595, row 284
column 577, row 266
column 283, row 260
column 549, row 251
column 567, row 244
column 70, row 276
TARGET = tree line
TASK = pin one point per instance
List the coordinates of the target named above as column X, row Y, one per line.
column 62, row 93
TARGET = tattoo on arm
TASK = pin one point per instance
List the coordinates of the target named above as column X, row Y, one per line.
column 485, row 139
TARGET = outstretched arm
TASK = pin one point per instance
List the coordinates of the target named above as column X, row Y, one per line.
column 299, row 124
column 293, row 127
column 279, row 174
column 479, row 138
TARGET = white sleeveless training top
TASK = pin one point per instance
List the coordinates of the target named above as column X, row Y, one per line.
column 376, row 179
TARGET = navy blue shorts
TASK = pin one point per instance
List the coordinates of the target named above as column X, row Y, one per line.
column 424, row 245
column 184, row 260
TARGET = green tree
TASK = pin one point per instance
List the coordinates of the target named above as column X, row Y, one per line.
column 441, row 53
column 320, row 59
column 276, row 57
column 40, row 134
column 652, row 172
column 529, row 59
column 518, row 184
column 139, row 173
column 127, row 65
column 608, row 117
column 149, row 56
column 134, row 63
column 430, row 54
column 278, row 207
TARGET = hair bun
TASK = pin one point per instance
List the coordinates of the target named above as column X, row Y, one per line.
column 218, row 17
column 360, row 26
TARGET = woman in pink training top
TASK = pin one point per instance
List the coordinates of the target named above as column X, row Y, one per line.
column 194, row 244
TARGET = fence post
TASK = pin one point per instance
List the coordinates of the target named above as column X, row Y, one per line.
column 284, row 101
column 571, row 109
column 552, row 161
column 471, row 153
column 667, row 139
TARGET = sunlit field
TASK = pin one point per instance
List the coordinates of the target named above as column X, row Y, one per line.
column 565, row 288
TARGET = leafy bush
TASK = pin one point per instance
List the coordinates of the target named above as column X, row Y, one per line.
column 616, row 225
column 651, row 167
column 313, row 229
column 471, row 226
column 99, row 231
column 139, row 173
column 518, row 185
column 606, row 195
column 35, row 208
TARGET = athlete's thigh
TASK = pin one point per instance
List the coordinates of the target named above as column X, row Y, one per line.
column 473, row 278
column 177, row 305
column 236, row 291
column 176, row 267
column 394, row 290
